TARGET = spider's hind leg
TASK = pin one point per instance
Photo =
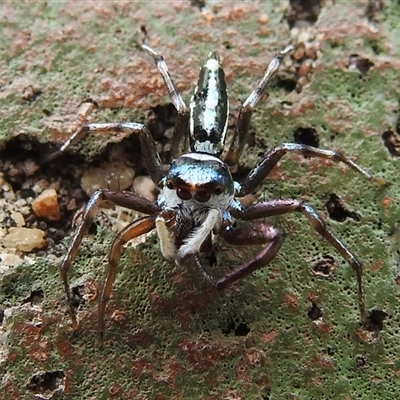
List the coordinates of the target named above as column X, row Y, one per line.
column 283, row 206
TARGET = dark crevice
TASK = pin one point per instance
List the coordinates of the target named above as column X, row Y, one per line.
column 287, row 84
column 236, row 327
column 314, row 312
column 78, row 296
column 307, row 136
column 391, row 142
column 303, row 12
column 46, row 381
column 374, row 8
column 30, row 94
column 267, row 394
column 20, row 162
column 360, row 361
column 325, row 266
column 161, row 123
column 375, row 321
column 200, row 4
column 36, row 297
column 330, row 351
column 360, row 64
column 337, row 211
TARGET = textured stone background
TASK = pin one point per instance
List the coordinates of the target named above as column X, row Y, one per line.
column 169, row 335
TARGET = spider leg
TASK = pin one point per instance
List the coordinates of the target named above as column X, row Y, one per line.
column 150, row 155
column 246, row 111
column 121, row 198
column 271, row 158
column 133, row 230
column 180, row 140
column 282, row 206
column 249, row 234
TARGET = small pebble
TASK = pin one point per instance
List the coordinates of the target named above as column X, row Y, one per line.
column 29, row 167
column 18, row 218
column 46, row 205
column 24, row 239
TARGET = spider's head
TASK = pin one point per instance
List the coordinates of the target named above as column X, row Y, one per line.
column 198, row 179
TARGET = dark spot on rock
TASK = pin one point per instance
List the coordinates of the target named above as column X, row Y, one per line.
column 200, row 4
column 78, row 296
column 314, row 312
column 46, row 381
column 330, row 351
column 212, row 259
column 161, row 118
column 391, row 142
column 236, row 327
column 303, row 12
column 307, row 136
column 337, row 211
column 267, row 394
column 360, row 361
column 360, row 64
column 227, row 45
column 30, row 94
column 374, row 7
column 25, row 193
column 36, row 297
column 90, row 101
column 375, row 320
column 325, row 266
column 161, row 122
column 287, row 84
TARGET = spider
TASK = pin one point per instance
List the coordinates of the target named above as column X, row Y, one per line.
column 198, row 197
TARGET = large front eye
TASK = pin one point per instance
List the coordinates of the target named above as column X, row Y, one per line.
column 170, row 185
column 217, row 191
column 202, row 196
column 184, row 194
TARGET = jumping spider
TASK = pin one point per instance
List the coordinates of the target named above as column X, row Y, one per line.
column 198, row 196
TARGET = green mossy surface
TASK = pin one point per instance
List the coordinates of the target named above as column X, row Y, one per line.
column 169, row 335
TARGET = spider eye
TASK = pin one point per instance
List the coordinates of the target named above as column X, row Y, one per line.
column 218, row 191
column 170, row 185
column 184, row 194
column 202, row 196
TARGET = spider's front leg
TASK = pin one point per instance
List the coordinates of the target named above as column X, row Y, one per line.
column 282, row 206
column 246, row 111
column 122, row 198
column 271, row 158
column 150, row 155
column 180, row 140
